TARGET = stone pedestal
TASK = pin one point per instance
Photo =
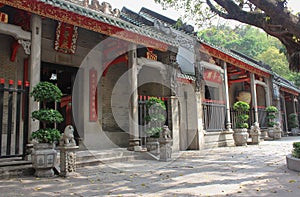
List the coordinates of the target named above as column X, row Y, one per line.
column 67, row 160
column 255, row 133
column 165, row 150
column 165, row 144
column 255, row 138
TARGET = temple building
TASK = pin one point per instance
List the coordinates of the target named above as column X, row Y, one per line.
column 109, row 62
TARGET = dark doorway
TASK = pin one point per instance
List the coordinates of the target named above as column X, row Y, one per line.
column 63, row 77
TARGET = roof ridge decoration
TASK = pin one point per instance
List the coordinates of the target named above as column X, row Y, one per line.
column 97, row 21
column 164, row 28
column 104, row 7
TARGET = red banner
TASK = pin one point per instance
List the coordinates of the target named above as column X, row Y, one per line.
column 66, row 38
column 93, row 95
column 213, row 76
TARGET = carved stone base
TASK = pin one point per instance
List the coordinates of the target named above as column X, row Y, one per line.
column 133, row 143
column 165, row 150
column 67, row 160
column 255, row 138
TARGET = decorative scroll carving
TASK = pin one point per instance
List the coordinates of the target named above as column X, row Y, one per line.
column 163, row 28
column 26, row 46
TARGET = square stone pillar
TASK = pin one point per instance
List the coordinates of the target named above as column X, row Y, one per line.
column 175, row 123
column 35, row 65
column 134, row 140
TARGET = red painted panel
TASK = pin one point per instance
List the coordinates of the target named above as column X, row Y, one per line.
column 93, row 107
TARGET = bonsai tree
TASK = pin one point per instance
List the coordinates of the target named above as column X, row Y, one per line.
column 271, row 110
column 242, row 108
column 155, row 116
column 296, row 150
column 293, row 120
column 45, row 92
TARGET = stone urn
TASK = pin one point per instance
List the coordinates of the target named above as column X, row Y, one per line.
column 293, row 163
column 152, row 145
column 271, row 132
column 43, row 159
column 263, row 134
column 240, row 137
column 295, row 131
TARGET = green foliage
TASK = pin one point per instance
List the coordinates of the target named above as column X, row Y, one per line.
column 271, row 124
column 293, row 120
column 242, row 125
column 253, row 43
column 296, row 150
column 271, row 109
column 45, row 91
column 155, row 116
column 242, row 108
column 47, row 135
column 48, row 115
column 279, row 64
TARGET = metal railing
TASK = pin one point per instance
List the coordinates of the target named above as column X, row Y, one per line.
column 214, row 116
column 13, row 107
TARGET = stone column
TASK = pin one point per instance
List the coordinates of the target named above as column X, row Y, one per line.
column 35, row 65
column 134, row 140
column 294, row 105
column 200, row 129
column 226, row 88
column 254, row 97
column 267, row 90
column 175, row 123
column 284, row 111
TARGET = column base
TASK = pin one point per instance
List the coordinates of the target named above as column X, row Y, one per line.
column 133, row 143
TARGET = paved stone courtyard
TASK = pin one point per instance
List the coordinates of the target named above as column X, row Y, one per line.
column 255, row 170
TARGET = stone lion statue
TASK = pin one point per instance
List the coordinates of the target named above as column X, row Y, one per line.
column 166, row 133
column 67, row 138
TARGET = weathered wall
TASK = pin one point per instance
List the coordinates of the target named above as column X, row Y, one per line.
column 94, row 134
column 9, row 71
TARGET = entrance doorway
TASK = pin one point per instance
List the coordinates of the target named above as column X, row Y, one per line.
column 63, row 77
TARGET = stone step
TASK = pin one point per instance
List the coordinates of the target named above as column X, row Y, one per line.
column 15, row 168
column 97, row 161
column 96, row 157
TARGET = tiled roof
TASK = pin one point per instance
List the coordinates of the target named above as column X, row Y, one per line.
column 185, row 76
column 285, row 83
column 238, row 57
column 149, row 14
column 100, row 16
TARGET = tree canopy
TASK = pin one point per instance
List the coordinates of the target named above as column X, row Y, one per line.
column 253, row 43
column 272, row 16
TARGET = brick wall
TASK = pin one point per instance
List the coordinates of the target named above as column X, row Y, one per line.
column 107, row 84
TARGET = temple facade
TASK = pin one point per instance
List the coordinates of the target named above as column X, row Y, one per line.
column 109, row 62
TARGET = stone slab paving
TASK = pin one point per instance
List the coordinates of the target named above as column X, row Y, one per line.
column 255, row 170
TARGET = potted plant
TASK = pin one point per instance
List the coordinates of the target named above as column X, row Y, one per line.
column 155, row 119
column 293, row 160
column 240, row 134
column 44, row 155
column 293, row 123
column 272, row 124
